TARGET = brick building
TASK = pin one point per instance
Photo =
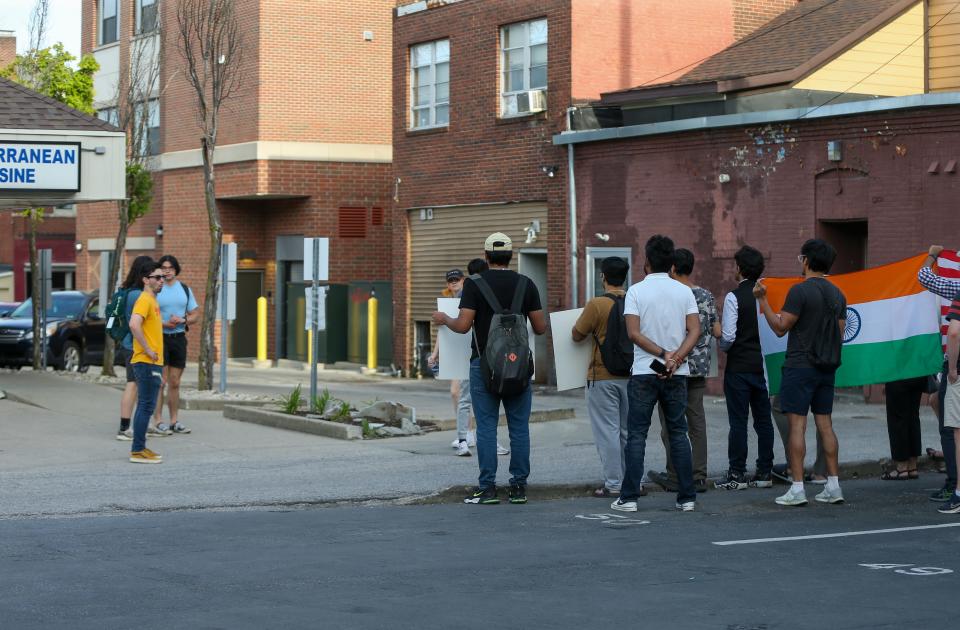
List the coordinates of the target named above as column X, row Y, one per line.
column 851, row 135
column 480, row 87
column 304, row 150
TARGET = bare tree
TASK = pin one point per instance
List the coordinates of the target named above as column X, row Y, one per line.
column 212, row 49
column 137, row 87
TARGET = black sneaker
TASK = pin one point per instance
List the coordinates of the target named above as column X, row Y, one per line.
column 761, row 480
column 733, row 481
column 517, row 493
column 483, row 496
column 943, row 494
column 663, row 480
column 952, row 506
column 781, row 472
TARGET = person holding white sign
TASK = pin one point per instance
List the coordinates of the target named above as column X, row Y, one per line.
column 606, row 390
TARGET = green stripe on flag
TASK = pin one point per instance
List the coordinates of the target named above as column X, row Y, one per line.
column 870, row 363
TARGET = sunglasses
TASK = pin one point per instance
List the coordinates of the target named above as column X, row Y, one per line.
column 160, row 277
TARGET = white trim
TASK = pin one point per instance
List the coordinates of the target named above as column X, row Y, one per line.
column 63, row 132
column 276, row 150
column 595, row 253
column 134, row 243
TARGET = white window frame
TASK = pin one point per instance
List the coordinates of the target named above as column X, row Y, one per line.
column 595, row 254
column 437, row 58
column 510, row 96
column 100, row 17
column 109, row 114
column 139, row 15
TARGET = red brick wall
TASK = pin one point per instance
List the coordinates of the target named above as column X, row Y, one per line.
column 8, row 50
column 479, row 157
column 623, row 43
column 775, row 201
column 749, row 15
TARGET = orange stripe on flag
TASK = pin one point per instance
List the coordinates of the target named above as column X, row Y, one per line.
column 877, row 283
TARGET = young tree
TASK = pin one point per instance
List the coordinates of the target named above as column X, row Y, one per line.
column 49, row 72
column 211, row 45
column 139, row 84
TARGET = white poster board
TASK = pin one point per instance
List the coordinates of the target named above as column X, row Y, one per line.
column 454, row 347
column 571, row 359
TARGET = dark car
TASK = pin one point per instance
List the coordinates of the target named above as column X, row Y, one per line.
column 75, row 333
column 7, row 307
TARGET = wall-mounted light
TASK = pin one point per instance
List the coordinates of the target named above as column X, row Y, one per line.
column 532, row 230
column 723, row 178
column 248, row 254
column 549, row 171
column 78, row 246
column 602, row 237
column 160, row 231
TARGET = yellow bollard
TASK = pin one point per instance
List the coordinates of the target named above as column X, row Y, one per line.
column 372, row 332
column 309, row 347
column 261, row 329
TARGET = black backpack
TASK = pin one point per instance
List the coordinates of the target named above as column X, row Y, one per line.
column 616, row 351
column 117, row 325
column 824, row 350
column 506, row 362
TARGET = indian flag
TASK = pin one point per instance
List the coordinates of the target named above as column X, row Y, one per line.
column 893, row 326
column 948, row 266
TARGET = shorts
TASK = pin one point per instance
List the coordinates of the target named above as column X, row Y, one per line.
column 951, row 405
column 175, row 350
column 807, row 389
column 124, row 356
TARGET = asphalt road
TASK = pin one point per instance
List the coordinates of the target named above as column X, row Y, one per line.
column 547, row 564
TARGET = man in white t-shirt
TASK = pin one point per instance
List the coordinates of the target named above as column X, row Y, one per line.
column 663, row 322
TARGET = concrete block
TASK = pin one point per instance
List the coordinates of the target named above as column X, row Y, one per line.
column 280, row 420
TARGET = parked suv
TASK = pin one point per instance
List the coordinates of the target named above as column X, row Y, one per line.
column 75, row 333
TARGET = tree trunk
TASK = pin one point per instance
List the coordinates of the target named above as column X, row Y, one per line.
column 36, row 283
column 109, row 347
column 207, row 346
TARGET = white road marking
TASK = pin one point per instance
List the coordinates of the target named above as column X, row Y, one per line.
column 753, row 541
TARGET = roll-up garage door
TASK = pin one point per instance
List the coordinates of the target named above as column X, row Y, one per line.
column 454, row 236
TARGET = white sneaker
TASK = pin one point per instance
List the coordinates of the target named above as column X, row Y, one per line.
column 830, row 496
column 792, row 498
column 686, row 506
column 455, row 443
column 624, row 506
column 471, row 438
column 125, row 435
column 501, row 450
column 463, row 450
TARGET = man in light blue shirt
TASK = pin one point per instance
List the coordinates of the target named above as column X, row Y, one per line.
column 178, row 310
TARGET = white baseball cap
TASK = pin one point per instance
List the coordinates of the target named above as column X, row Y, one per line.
column 498, row 242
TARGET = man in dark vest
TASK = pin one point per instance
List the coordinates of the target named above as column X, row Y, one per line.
column 744, row 383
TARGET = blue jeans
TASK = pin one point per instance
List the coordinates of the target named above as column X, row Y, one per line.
column 148, row 387
column 486, row 409
column 744, row 392
column 643, row 392
column 947, row 444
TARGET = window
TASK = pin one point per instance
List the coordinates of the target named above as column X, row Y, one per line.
column 110, row 115
column 595, row 256
column 523, row 62
column 146, row 15
column 107, row 31
column 430, row 84
column 148, row 131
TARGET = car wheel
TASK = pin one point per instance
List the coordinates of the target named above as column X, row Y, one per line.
column 70, row 359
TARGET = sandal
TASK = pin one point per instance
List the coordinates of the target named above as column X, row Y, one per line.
column 605, row 493
column 933, row 453
column 895, row 475
column 913, row 473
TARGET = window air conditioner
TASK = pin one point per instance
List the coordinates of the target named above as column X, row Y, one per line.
column 536, row 100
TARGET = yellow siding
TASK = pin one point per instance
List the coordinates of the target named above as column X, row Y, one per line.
column 902, row 74
column 944, row 46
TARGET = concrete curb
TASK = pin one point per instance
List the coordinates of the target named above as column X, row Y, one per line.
column 210, row 404
column 541, row 415
column 549, row 492
column 286, row 421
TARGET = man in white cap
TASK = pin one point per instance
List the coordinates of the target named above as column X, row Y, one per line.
column 497, row 306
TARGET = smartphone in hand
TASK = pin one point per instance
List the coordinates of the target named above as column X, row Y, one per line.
column 659, row 367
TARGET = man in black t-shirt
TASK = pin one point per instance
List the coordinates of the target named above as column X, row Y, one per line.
column 805, row 387
column 476, row 313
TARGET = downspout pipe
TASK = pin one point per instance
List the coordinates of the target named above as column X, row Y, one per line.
column 572, row 202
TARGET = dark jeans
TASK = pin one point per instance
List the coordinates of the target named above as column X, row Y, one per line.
column 747, row 392
column 644, row 392
column 148, row 386
column 903, row 417
column 486, row 409
column 947, row 445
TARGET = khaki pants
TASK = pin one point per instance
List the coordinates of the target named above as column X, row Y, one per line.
column 696, row 429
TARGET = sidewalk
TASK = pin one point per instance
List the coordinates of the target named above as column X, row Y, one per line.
column 58, row 455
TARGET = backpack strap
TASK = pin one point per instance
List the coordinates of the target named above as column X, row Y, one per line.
column 487, row 293
column 518, row 294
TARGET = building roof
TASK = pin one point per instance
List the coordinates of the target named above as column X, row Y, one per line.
column 783, row 51
column 22, row 108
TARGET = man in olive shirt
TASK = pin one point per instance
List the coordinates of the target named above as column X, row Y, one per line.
column 606, row 393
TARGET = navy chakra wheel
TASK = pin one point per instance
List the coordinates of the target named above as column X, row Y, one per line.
column 853, row 325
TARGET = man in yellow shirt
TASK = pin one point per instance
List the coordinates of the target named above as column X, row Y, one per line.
column 146, row 327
